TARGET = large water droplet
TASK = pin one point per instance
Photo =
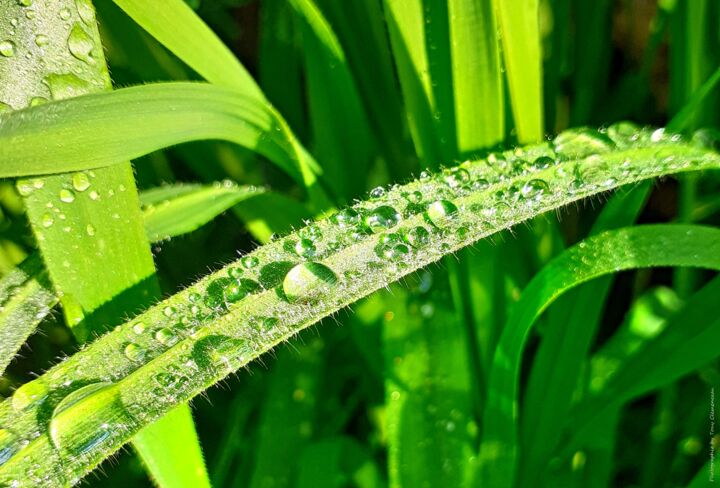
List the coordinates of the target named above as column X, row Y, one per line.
column 219, row 351
column 456, row 177
column 87, row 417
column 29, row 394
column 441, row 212
column 80, row 44
column 582, row 142
column 534, row 189
column 307, row 280
column 381, row 218
column 7, row 48
column 417, row 236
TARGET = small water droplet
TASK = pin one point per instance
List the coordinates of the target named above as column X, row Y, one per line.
column 377, row 192
column 65, row 13
column 311, row 232
column 90, row 229
column 305, row 248
column 307, row 280
column 166, row 337
column 381, row 218
column 67, row 196
column 41, row 40
column 237, row 290
column 249, row 262
column 134, row 352
column 7, row 48
column 456, row 177
column 347, row 217
column 138, row 328
column 94, row 195
column 169, row 311
column 80, row 181
column 47, row 220
column 535, row 189
column 417, row 236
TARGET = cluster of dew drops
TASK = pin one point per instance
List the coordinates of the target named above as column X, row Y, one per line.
column 79, row 43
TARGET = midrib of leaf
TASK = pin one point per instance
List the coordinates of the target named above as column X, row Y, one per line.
column 83, row 237
column 216, row 343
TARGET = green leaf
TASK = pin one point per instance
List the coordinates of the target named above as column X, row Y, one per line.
column 567, row 338
column 98, row 130
column 609, row 252
column 520, row 36
column 235, row 314
column 25, row 299
column 342, row 140
column 179, row 209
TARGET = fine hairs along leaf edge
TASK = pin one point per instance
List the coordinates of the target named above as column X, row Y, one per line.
column 64, row 423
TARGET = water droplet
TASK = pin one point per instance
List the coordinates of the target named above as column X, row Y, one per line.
column 381, row 218
column 66, row 85
column 7, row 445
column 377, row 192
column 347, row 217
column 25, row 3
column 396, row 253
column 235, row 273
column 80, row 181
column 86, row 418
column 541, row 163
column 94, row 195
column 307, row 280
column 441, row 212
column 35, row 101
column 139, row 328
column 90, row 229
column 249, row 262
column 169, row 311
column 67, row 196
column 166, row 336
column 80, row 44
column 29, row 394
column 311, row 232
column 41, row 40
column 86, row 11
column 582, row 142
column 47, row 220
column 237, row 290
column 480, row 184
column 219, row 351
column 134, row 352
column 214, row 293
column 305, row 248
column 7, row 48
column 417, row 236
column 534, row 189
column 413, row 196
column 65, row 13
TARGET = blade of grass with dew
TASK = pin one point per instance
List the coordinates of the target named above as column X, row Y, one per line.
column 179, row 29
column 342, row 140
column 520, row 36
column 130, row 122
column 645, row 320
column 645, row 246
column 687, row 343
column 86, row 224
column 218, row 322
column 556, row 64
column 430, row 422
column 566, row 340
column 360, row 28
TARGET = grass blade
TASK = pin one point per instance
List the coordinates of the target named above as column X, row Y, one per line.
column 612, row 251
column 219, row 331
column 25, row 299
column 179, row 209
column 520, row 35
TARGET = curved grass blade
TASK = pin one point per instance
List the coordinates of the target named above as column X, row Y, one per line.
column 179, row 209
column 567, row 338
column 609, row 252
column 232, row 316
column 99, row 130
column 25, row 299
